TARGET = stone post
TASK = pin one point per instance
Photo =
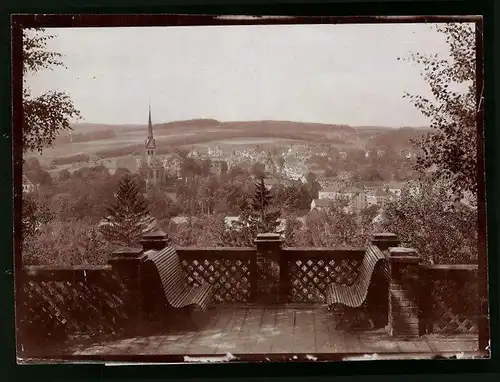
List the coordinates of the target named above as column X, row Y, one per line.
column 378, row 299
column 153, row 299
column 385, row 240
column 156, row 240
column 404, row 292
column 269, row 287
column 126, row 264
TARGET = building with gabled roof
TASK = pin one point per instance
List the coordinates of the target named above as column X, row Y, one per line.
column 28, row 185
column 321, row 204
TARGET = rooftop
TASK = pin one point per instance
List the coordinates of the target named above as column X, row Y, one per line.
column 322, row 202
column 381, row 192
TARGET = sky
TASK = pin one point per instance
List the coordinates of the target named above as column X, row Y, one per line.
column 341, row 74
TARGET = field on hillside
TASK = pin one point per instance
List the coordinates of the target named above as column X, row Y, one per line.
column 129, row 139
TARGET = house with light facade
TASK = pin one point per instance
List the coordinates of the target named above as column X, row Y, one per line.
column 28, row 186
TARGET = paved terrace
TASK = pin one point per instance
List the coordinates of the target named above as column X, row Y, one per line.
column 263, row 330
column 241, row 321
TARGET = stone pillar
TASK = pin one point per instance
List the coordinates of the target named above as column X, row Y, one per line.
column 156, row 240
column 404, row 292
column 126, row 264
column 153, row 299
column 385, row 240
column 268, row 280
column 378, row 297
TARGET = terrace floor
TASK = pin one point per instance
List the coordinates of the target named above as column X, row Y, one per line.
column 264, row 330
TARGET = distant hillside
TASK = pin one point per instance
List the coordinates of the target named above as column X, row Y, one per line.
column 91, row 127
column 200, row 122
column 398, row 138
column 106, row 140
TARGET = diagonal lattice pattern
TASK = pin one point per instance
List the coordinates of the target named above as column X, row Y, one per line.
column 230, row 277
column 309, row 277
column 454, row 306
column 58, row 308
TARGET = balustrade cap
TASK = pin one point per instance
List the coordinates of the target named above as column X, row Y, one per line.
column 385, row 236
column 403, row 254
column 127, row 252
column 156, row 234
column 268, row 238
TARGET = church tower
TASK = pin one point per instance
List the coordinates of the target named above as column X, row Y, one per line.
column 155, row 171
column 150, row 144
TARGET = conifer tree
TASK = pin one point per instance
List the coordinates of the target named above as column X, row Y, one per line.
column 128, row 217
column 262, row 208
column 259, row 216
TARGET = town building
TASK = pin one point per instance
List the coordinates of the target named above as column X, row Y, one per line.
column 331, row 192
column 218, row 167
column 28, row 185
column 382, row 197
column 327, row 181
column 357, row 199
column 232, row 222
column 356, row 196
column 396, row 188
column 183, row 220
column 381, row 219
column 216, row 152
column 130, row 163
column 320, row 204
column 172, row 165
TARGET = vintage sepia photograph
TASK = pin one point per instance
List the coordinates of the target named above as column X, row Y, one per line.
column 243, row 189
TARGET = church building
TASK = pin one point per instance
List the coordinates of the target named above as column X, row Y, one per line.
column 152, row 166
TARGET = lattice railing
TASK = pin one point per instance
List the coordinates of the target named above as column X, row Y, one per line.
column 56, row 303
column 453, row 304
column 230, row 270
column 310, row 270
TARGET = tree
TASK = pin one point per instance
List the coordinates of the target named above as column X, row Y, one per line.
column 74, row 242
column 261, row 206
column 450, row 150
column 31, row 164
column 35, row 214
column 258, row 216
column 44, row 116
column 206, row 167
column 120, row 172
column 40, row 177
column 441, row 231
column 333, row 227
column 63, row 175
column 128, row 217
column 259, row 170
column 161, row 206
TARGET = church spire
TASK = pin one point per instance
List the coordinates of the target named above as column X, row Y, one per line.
column 150, row 141
column 150, row 125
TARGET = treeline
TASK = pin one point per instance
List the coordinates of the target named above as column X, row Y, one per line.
column 63, row 216
column 86, row 137
column 77, row 158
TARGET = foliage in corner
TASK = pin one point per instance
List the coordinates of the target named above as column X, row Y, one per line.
column 449, row 151
column 46, row 115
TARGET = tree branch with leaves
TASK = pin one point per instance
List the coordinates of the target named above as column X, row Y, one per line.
column 449, row 151
column 46, row 115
